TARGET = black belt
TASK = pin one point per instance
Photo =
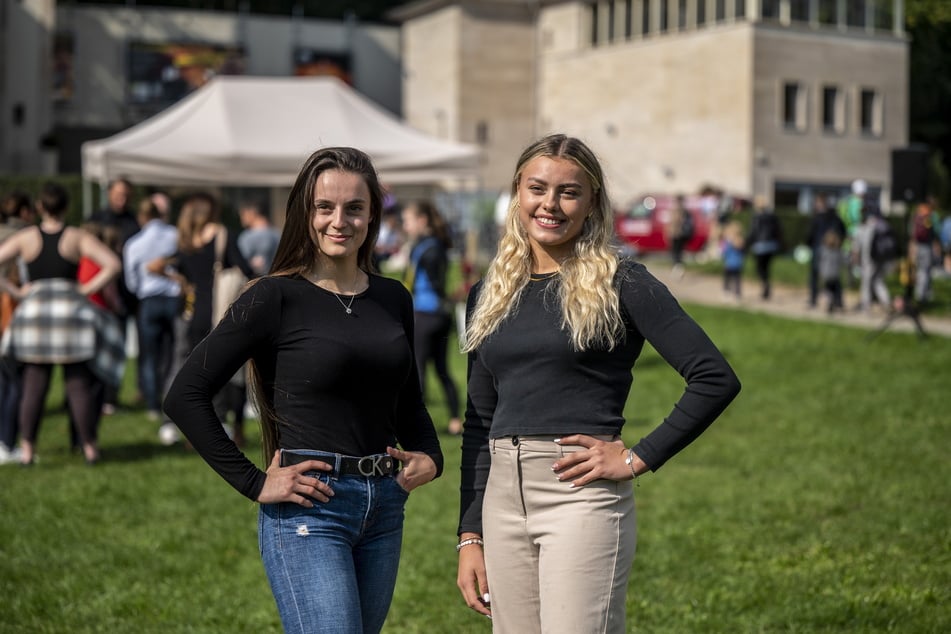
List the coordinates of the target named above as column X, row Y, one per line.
column 368, row 466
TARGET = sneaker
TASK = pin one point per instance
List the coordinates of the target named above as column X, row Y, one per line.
column 168, row 434
column 10, row 456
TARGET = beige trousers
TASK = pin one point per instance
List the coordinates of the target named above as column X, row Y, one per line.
column 557, row 558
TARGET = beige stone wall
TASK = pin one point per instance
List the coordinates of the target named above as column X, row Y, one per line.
column 852, row 63
column 665, row 114
column 497, row 90
column 432, row 73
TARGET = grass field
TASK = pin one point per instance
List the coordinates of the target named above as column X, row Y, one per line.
column 819, row 502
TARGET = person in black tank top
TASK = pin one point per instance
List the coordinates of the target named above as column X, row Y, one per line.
column 55, row 324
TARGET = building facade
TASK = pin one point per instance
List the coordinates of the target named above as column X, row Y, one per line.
column 71, row 73
column 773, row 98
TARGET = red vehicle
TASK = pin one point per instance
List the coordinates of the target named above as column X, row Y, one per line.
column 642, row 226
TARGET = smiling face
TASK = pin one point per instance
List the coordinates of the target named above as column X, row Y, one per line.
column 554, row 197
column 341, row 216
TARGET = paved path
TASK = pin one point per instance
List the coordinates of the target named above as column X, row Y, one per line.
column 788, row 302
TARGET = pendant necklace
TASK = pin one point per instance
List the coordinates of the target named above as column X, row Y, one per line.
column 346, row 306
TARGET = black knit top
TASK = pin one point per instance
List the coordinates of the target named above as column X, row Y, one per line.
column 526, row 379
column 338, row 382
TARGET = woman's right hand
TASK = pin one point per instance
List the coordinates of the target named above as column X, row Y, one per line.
column 472, row 581
column 289, row 484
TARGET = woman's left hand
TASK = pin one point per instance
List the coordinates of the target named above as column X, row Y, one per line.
column 418, row 468
column 599, row 460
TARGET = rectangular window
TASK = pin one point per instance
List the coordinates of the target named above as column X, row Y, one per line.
column 799, row 10
column 645, row 17
column 855, row 13
column 594, row 23
column 611, row 17
column 628, row 19
column 681, row 15
column 884, row 15
column 828, row 11
column 664, row 17
column 740, row 9
column 870, row 112
column 770, row 9
column 794, row 106
column 833, row 111
column 701, row 13
column 720, row 9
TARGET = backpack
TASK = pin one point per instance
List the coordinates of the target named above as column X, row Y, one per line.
column 923, row 228
column 884, row 242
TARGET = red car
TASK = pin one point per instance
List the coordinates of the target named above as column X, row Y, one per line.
column 642, row 226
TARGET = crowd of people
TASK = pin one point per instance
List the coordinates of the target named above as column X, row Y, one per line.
column 159, row 279
column 848, row 243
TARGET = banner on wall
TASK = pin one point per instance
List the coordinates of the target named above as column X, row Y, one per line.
column 163, row 73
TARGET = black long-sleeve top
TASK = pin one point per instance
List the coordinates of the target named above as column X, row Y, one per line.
column 341, row 383
column 527, row 379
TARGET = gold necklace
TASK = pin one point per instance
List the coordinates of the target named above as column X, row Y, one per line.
column 538, row 277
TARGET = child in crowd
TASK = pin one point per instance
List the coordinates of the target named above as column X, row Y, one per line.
column 831, row 262
column 731, row 250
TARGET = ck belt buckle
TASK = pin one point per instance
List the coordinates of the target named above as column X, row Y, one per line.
column 379, row 465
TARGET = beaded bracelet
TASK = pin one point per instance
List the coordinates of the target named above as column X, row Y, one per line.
column 467, row 542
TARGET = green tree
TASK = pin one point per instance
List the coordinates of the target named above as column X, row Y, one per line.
column 928, row 23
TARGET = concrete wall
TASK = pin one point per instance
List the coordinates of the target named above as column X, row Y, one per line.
column 665, row 114
column 25, row 81
column 102, row 35
column 853, row 63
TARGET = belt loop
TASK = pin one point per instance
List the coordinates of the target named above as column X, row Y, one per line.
column 338, row 458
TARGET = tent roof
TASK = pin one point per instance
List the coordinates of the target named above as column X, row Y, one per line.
column 240, row 130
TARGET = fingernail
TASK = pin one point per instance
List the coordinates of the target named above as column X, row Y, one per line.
column 571, row 486
column 557, row 440
column 487, row 598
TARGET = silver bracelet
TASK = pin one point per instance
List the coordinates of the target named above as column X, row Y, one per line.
column 467, row 542
column 630, row 462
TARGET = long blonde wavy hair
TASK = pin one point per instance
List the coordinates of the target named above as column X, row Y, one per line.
column 587, row 293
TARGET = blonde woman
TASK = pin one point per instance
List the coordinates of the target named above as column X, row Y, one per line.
column 547, row 528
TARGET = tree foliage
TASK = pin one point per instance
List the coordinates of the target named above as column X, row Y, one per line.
column 928, row 23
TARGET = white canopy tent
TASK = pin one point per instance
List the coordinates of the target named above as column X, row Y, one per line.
column 257, row 131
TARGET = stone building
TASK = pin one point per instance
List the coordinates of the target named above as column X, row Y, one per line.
column 778, row 98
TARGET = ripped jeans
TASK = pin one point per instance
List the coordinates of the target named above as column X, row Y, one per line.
column 332, row 568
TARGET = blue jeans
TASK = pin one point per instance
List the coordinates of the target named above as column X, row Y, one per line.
column 332, row 568
column 156, row 324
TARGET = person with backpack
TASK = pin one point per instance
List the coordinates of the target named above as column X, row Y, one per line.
column 874, row 259
column 924, row 248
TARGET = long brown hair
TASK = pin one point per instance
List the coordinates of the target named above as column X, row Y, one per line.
column 438, row 227
column 198, row 210
column 297, row 250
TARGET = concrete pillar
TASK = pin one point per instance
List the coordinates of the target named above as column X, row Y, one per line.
column 785, row 12
column 898, row 18
column 654, row 27
column 752, row 10
column 691, row 21
column 637, row 19
column 673, row 15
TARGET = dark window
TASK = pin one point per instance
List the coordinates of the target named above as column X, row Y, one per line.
column 828, row 12
column 628, row 19
column 870, row 112
column 831, row 109
column 855, row 13
column 701, row 13
column 799, row 10
column 792, row 116
column 740, row 9
column 594, row 23
column 645, row 18
column 770, row 9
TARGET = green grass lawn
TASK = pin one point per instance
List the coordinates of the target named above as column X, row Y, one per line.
column 819, row 502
